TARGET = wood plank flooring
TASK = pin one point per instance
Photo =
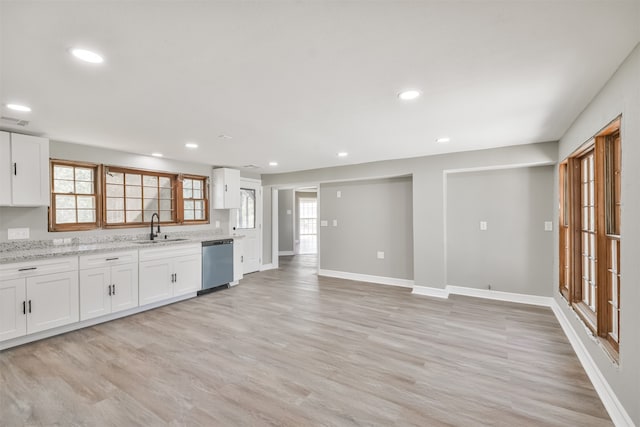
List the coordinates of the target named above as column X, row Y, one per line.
column 288, row 348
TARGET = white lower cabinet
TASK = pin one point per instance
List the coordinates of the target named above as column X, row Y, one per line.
column 38, row 296
column 109, row 285
column 238, row 261
column 169, row 272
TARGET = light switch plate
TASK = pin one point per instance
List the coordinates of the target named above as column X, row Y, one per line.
column 17, row 233
column 483, row 225
column 335, row 222
column 548, row 226
column 288, row 211
column 338, row 194
column 380, row 255
column 217, row 224
column 324, row 223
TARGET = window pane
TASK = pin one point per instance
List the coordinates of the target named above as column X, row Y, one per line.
column 85, row 215
column 165, row 193
column 115, row 203
column 166, row 216
column 62, row 186
column 150, row 205
column 187, row 183
column 86, row 202
column 115, row 217
column 246, row 213
column 68, row 202
column 165, row 182
column 115, row 178
column 134, row 179
column 83, row 174
column 134, row 204
column 63, row 172
column 134, row 216
column 165, row 205
column 83, row 187
column 188, row 205
column 199, row 205
column 115, row 190
column 65, row 216
column 187, row 193
column 197, row 194
column 150, row 181
column 133, row 191
column 188, row 215
column 148, row 214
column 199, row 214
column 197, row 184
column 150, row 192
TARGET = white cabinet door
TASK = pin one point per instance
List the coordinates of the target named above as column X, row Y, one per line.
column 52, row 301
column 188, row 274
column 226, row 188
column 5, row 168
column 124, row 284
column 29, row 170
column 95, row 300
column 238, row 260
column 13, row 321
column 155, row 281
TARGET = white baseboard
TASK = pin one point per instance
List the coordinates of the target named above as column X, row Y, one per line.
column 265, row 267
column 285, row 253
column 616, row 411
column 500, row 296
column 430, row 292
column 367, row 278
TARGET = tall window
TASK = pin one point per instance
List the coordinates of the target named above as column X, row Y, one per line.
column 590, row 233
column 194, row 196
column 74, row 197
column 308, row 222
column 247, row 212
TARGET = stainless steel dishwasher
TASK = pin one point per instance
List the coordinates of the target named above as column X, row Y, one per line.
column 217, row 264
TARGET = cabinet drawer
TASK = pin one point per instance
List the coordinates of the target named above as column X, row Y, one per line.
column 107, row 259
column 170, row 251
column 38, row 268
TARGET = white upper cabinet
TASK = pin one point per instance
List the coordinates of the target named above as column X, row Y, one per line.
column 226, row 188
column 24, row 170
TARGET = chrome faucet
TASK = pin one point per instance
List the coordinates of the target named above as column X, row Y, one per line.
column 158, row 230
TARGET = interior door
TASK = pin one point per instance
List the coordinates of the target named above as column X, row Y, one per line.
column 249, row 223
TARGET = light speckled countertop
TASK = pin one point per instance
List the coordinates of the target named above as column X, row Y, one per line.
column 29, row 250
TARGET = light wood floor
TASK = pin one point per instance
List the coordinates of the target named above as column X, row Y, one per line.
column 287, row 348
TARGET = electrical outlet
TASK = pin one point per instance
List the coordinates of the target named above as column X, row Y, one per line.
column 380, row 255
column 217, row 224
column 17, row 233
column 288, row 211
column 483, row 225
column 338, row 194
column 548, row 226
column 324, row 223
column 335, row 222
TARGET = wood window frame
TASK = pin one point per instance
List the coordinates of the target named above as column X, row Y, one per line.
column 607, row 209
column 180, row 199
column 77, row 226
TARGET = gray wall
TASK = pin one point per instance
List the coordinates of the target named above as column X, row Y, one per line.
column 428, row 194
column 36, row 219
column 285, row 220
column 373, row 215
column 513, row 254
column 621, row 95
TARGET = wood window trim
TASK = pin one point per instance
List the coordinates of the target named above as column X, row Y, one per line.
column 606, row 192
column 180, row 200
column 53, row 226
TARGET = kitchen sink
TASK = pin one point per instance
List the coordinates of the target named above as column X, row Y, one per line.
column 147, row 242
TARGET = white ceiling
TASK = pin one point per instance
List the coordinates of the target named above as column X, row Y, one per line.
column 298, row 81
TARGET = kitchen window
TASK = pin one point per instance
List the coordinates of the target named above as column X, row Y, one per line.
column 247, row 212
column 74, row 196
column 88, row 196
column 590, row 233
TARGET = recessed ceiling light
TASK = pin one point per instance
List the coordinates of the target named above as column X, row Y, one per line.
column 408, row 95
column 87, row 56
column 343, row 154
column 156, row 154
column 443, row 140
column 225, row 136
column 273, row 163
column 191, row 145
column 18, row 107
